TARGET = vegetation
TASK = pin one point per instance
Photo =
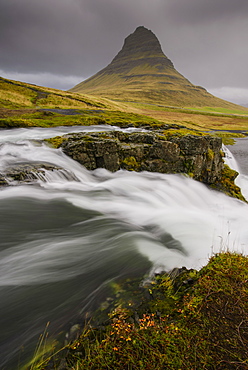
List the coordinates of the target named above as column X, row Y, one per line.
column 26, row 105
column 221, row 110
column 141, row 72
column 227, row 185
column 15, row 94
column 130, row 164
column 183, row 320
column 195, row 320
column 82, row 117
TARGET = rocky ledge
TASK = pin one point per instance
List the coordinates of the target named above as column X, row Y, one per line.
column 198, row 156
column 24, row 173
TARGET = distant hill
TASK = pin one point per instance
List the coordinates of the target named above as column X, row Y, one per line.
column 15, row 95
column 141, row 72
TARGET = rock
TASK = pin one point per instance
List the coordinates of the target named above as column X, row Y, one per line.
column 3, row 181
column 22, row 173
column 197, row 156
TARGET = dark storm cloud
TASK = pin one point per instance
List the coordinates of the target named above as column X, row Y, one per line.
column 205, row 39
column 61, row 35
column 39, row 35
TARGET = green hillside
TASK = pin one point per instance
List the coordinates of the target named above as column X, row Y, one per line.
column 15, row 94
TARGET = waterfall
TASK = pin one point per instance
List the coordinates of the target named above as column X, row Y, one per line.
column 230, row 159
column 63, row 238
column 242, row 178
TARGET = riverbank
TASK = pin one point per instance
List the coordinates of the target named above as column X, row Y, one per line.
column 65, row 238
column 186, row 319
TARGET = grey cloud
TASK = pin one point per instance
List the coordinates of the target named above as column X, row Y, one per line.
column 62, row 35
column 234, row 94
column 44, row 79
column 198, row 11
column 205, row 39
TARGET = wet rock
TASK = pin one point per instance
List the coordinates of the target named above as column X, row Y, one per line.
column 197, row 156
column 22, row 173
column 3, row 181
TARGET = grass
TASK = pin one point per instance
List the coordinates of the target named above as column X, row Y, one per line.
column 224, row 111
column 217, row 119
column 84, row 117
column 193, row 320
column 138, row 75
column 20, row 104
column 16, row 95
column 210, row 111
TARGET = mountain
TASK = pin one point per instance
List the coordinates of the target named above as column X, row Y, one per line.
column 141, row 72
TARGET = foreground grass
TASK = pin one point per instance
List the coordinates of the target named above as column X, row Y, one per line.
column 186, row 320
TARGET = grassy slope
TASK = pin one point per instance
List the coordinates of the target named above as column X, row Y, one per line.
column 20, row 105
column 196, row 320
column 142, row 73
column 19, row 95
column 206, row 118
column 144, row 85
column 149, row 79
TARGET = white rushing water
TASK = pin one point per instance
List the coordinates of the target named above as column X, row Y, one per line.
column 239, row 151
column 62, row 240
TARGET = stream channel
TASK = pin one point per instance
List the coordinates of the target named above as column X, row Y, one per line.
column 64, row 239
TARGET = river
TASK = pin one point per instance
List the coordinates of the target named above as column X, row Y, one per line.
column 64, row 239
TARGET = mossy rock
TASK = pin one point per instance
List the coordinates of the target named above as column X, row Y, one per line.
column 56, row 141
column 130, row 164
column 227, row 185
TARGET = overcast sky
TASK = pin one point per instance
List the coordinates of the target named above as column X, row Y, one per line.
column 59, row 43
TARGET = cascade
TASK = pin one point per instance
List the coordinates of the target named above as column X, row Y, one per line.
column 63, row 238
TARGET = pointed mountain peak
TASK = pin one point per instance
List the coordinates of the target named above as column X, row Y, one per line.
column 141, row 72
column 142, row 40
column 142, row 43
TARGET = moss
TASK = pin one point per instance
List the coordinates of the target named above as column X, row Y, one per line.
column 56, row 141
column 130, row 164
column 96, row 121
column 210, row 154
column 227, row 185
column 189, row 166
column 228, row 137
column 182, row 132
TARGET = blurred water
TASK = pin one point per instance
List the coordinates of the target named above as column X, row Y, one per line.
column 62, row 241
column 240, row 151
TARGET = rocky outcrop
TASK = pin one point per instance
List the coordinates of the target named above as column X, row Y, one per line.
column 24, row 173
column 198, row 156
